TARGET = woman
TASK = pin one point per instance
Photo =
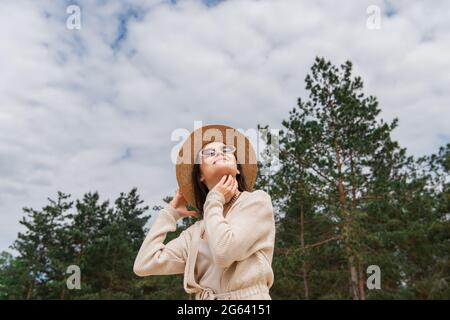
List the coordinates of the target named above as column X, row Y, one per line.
column 228, row 253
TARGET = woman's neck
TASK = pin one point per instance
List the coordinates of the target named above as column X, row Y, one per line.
column 233, row 199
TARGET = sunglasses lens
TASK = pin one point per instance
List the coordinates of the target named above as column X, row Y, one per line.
column 208, row 152
column 229, row 149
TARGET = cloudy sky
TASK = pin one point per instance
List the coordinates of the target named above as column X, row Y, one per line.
column 95, row 108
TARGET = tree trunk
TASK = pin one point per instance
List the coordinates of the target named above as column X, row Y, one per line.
column 362, row 291
column 30, row 291
column 111, row 279
column 346, row 219
column 63, row 293
column 302, row 243
column 353, row 274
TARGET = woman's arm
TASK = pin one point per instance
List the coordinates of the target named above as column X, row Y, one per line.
column 155, row 258
column 246, row 231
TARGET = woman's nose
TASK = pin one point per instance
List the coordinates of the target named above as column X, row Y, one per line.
column 218, row 154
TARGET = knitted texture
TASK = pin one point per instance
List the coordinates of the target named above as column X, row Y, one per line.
column 242, row 242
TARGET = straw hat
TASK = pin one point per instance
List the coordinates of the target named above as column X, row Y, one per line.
column 187, row 155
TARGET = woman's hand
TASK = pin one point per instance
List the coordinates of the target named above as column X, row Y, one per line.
column 228, row 186
column 179, row 203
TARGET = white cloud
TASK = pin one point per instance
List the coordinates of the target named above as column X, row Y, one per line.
column 94, row 109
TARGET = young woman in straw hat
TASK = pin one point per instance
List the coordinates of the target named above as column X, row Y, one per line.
column 227, row 254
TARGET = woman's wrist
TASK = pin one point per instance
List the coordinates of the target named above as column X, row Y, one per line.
column 173, row 212
column 216, row 195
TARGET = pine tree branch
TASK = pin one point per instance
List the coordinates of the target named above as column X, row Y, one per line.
column 323, row 242
column 309, row 246
column 309, row 165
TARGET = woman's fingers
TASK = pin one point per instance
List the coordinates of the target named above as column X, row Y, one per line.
column 181, row 195
column 227, row 186
column 229, row 181
column 235, row 186
column 231, row 188
column 221, row 183
column 192, row 213
column 232, row 183
column 224, row 179
column 187, row 213
column 178, row 200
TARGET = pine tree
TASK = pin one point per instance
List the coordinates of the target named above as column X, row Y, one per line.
column 346, row 189
column 38, row 243
column 125, row 234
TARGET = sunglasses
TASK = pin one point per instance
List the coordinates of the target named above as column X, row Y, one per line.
column 211, row 152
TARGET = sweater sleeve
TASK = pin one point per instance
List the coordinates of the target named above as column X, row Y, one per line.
column 155, row 257
column 249, row 229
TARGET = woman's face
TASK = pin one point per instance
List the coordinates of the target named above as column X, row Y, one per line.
column 213, row 168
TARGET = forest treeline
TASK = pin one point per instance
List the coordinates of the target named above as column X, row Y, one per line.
column 346, row 197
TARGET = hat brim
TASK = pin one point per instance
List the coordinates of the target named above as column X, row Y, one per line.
column 187, row 155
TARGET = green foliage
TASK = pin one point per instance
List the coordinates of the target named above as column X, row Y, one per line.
column 102, row 240
column 346, row 196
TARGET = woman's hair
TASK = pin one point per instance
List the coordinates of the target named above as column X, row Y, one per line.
column 201, row 190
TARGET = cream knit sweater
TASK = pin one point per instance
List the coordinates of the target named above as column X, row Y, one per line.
column 241, row 243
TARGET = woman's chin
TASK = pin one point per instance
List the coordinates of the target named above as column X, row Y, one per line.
column 224, row 169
